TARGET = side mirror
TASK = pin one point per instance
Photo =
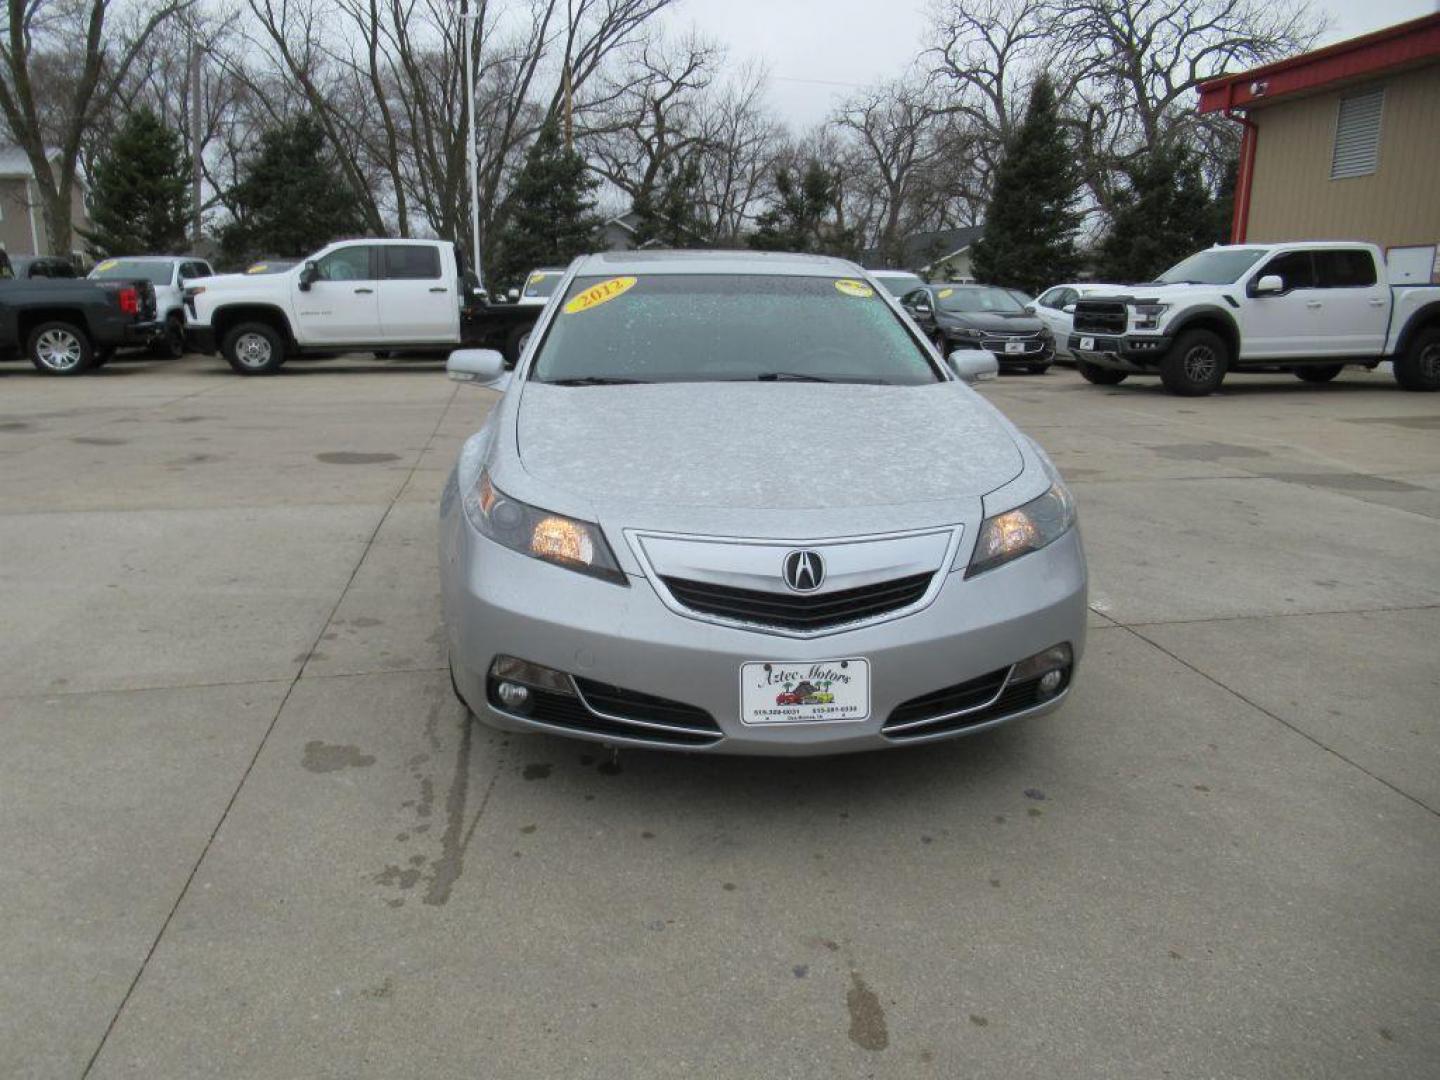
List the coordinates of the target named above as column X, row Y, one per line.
column 1269, row 285
column 308, row 275
column 923, row 308
column 1029, row 309
column 1069, row 309
column 482, row 366
column 973, row 365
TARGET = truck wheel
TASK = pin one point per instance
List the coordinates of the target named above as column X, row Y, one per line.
column 1419, row 368
column 515, row 343
column 254, row 349
column 1100, row 376
column 1195, row 365
column 60, row 348
column 1319, row 374
column 171, row 342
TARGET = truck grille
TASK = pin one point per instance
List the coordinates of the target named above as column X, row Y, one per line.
column 799, row 611
column 1100, row 317
column 996, row 342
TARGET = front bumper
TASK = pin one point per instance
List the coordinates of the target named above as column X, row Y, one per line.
column 1038, row 351
column 1123, row 352
column 498, row 602
column 200, row 339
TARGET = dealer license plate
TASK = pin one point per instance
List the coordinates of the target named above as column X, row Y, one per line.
column 808, row 692
column 1014, row 346
column 1087, row 343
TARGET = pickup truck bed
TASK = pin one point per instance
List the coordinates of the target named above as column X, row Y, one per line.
column 67, row 327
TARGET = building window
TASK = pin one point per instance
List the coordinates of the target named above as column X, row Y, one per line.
column 1357, row 135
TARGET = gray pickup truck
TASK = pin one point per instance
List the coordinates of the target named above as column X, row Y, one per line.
column 67, row 327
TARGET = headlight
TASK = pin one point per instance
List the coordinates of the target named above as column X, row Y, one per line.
column 554, row 538
column 963, row 332
column 1022, row 530
column 1147, row 316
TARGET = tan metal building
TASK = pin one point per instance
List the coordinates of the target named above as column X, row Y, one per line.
column 1342, row 143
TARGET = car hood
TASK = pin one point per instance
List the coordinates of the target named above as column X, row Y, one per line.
column 1018, row 323
column 1168, row 294
column 764, row 446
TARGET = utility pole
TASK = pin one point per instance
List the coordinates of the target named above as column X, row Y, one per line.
column 568, row 111
column 466, row 40
column 197, row 172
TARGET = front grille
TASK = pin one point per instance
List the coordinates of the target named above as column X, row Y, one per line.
column 1100, row 317
column 1033, row 344
column 942, row 704
column 646, row 708
column 569, row 712
column 799, row 611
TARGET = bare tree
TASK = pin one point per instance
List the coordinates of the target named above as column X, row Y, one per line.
column 738, row 150
column 86, row 51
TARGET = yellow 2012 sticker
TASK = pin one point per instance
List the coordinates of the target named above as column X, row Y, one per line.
column 537, row 276
column 850, row 287
column 258, row 268
column 944, row 293
column 108, row 264
column 599, row 294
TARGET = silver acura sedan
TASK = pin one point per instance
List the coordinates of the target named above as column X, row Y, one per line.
column 734, row 503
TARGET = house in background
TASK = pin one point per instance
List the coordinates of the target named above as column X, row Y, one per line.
column 943, row 255
column 1342, row 143
column 22, row 222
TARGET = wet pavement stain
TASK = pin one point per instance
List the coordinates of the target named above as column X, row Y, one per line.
column 978, row 1020
column 1342, row 481
column 95, row 440
column 800, row 970
column 347, row 457
column 868, row 1029
column 539, row 770
column 1207, row 451
column 323, row 757
column 14, row 425
column 1035, row 793
column 1035, row 811
column 1422, row 422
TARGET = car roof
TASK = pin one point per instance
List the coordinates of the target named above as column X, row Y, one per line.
column 715, row 262
column 154, row 258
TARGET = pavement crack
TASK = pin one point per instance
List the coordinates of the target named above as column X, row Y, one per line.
column 1281, row 720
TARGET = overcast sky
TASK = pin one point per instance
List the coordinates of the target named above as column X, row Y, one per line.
column 818, row 51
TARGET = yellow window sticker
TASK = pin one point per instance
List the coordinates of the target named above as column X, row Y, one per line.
column 945, row 293
column 258, row 268
column 599, row 294
column 537, row 276
column 851, row 287
column 108, row 264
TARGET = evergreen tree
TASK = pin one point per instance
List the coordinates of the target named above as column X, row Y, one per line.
column 292, row 199
column 1225, row 198
column 139, row 198
column 799, row 216
column 671, row 219
column 551, row 216
column 1166, row 215
column 1030, row 224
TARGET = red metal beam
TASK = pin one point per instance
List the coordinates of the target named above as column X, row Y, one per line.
column 1413, row 42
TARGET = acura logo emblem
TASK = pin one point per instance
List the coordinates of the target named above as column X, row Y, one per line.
column 804, row 571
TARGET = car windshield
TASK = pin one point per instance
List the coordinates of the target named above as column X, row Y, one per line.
column 900, row 284
column 157, row 273
column 977, row 298
column 728, row 328
column 543, row 282
column 1214, row 267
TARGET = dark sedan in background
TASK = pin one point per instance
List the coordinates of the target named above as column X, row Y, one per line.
column 982, row 317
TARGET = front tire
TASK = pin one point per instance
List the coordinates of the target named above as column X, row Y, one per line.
column 254, row 349
column 1322, row 373
column 60, row 348
column 170, row 345
column 1419, row 368
column 1100, row 376
column 1196, row 363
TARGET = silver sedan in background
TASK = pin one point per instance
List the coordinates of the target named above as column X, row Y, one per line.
column 735, row 503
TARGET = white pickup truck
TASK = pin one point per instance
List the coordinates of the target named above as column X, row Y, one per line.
column 1307, row 308
column 353, row 296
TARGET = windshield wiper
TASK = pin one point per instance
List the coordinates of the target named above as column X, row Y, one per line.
column 594, row 380
column 790, row 376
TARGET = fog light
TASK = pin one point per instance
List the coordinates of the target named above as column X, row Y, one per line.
column 509, row 669
column 1056, row 659
column 513, row 696
column 1049, row 683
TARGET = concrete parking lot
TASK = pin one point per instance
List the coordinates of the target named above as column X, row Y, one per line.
column 246, row 833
